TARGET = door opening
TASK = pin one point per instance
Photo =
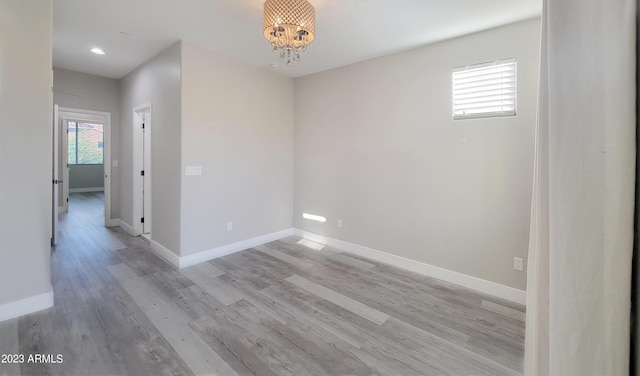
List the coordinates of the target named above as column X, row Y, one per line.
column 85, row 147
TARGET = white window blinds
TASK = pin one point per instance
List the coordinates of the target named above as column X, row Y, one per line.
column 485, row 90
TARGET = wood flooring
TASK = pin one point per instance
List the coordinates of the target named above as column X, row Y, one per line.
column 289, row 307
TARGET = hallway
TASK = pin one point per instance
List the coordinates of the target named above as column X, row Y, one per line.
column 96, row 327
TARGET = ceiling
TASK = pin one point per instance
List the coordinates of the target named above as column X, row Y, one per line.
column 347, row 31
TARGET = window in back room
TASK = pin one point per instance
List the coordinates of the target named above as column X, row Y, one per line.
column 86, row 143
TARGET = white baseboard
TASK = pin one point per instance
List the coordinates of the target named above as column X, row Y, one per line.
column 26, row 306
column 473, row 283
column 85, row 190
column 210, row 254
column 113, row 223
column 228, row 249
column 127, row 227
column 165, row 253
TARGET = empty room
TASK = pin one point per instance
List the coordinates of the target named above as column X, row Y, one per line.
column 293, row 187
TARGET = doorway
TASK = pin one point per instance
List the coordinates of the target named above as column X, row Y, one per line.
column 85, row 146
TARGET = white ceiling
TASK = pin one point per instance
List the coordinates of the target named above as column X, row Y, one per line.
column 347, row 31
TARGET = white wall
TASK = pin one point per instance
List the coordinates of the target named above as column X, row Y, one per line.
column 156, row 82
column 25, row 149
column 86, row 176
column 375, row 145
column 95, row 93
column 237, row 123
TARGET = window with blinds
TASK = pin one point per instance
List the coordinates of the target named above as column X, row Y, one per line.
column 485, row 90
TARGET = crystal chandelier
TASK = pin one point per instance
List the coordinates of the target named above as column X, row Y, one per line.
column 289, row 26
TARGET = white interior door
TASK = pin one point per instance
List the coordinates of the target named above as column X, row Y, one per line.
column 142, row 129
column 54, row 177
column 146, row 183
column 64, row 146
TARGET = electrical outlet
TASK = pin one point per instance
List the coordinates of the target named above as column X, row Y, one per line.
column 229, row 226
column 339, row 223
column 518, row 264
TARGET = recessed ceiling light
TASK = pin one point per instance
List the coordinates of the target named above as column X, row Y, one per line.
column 98, row 51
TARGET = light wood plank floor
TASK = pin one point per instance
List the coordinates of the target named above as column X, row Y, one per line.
column 283, row 308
